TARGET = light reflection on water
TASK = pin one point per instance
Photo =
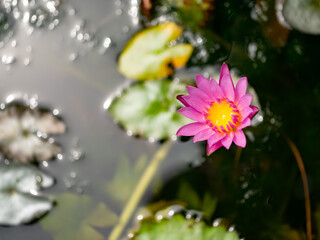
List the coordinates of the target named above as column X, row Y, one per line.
column 75, row 78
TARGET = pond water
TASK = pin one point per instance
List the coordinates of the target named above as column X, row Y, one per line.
column 69, row 63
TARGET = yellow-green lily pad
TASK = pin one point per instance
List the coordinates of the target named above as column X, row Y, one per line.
column 148, row 55
column 304, row 15
column 76, row 217
column 149, row 109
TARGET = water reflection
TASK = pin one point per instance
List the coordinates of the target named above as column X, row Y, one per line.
column 24, row 131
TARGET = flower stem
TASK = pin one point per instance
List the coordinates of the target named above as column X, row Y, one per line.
column 299, row 160
column 139, row 190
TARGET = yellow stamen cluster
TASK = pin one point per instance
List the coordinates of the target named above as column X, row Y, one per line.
column 223, row 115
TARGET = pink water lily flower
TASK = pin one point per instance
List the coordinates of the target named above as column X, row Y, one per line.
column 221, row 111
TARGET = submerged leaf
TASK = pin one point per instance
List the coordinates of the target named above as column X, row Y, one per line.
column 180, row 228
column 149, row 109
column 148, row 54
column 194, row 13
column 125, row 179
column 288, row 233
column 18, row 185
column 23, row 133
column 76, row 217
column 274, row 30
column 303, row 15
column 188, row 195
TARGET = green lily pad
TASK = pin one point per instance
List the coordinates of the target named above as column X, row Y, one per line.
column 180, row 228
column 148, row 55
column 149, row 109
column 304, row 15
column 76, row 217
column 19, row 200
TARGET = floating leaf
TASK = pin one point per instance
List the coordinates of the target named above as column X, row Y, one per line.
column 18, row 185
column 304, row 15
column 148, row 54
column 76, row 217
column 180, row 228
column 149, row 109
column 23, row 133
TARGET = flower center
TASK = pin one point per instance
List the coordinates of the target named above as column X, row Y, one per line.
column 223, row 115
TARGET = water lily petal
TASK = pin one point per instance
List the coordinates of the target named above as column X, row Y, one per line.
column 227, row 87
column 191, row 113
column 215, row 138
column 215, row 89
column 223, row 107
column 181, row 99
column 191, row 129
column 244, row 101
column 203, row 83
column 224, row 71
column 245, row 123
column 254, row 111
column 245, row 112
column 239, row 138
column 196, row 103
column 213, row 148
column 203, row 135
column 198, row 93
column 241, row 89
column 227, row 140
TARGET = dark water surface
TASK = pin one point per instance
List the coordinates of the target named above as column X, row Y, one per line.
column 260, row 192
